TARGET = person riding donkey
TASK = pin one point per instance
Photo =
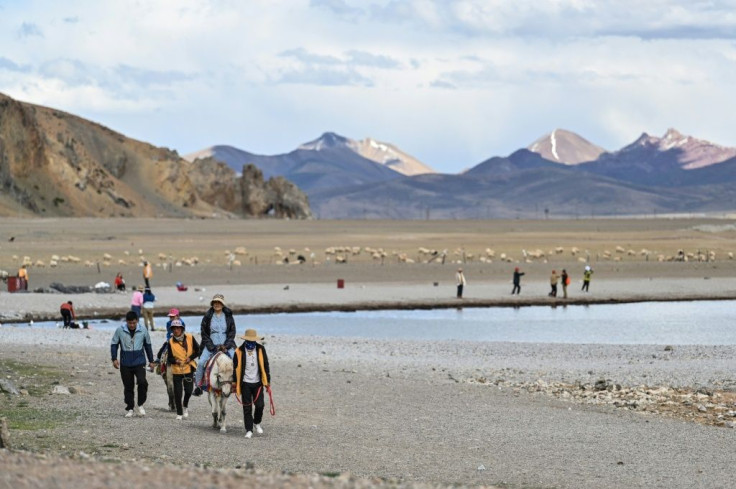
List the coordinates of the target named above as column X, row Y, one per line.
column 218, row 334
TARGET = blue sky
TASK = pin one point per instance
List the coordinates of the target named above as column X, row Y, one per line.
column 450, row 82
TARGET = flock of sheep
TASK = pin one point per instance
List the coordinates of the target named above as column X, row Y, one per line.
column 343, row 254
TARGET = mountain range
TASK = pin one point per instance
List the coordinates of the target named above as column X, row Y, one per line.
column 560, row 174
column 56, row 164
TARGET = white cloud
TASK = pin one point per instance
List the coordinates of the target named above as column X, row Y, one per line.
column 453, row 82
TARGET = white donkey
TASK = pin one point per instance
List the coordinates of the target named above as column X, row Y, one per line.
column 219, row 371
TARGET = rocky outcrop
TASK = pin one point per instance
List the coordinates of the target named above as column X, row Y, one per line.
column 56, row 164
column 277, row 196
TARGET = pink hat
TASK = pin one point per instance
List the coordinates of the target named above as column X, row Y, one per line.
column 173, row 312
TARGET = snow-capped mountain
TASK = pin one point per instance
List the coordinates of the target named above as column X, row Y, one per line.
column 565, row 147
column 390, row 156
column 687, row 151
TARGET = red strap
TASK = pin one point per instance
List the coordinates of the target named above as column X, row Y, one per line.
column 272, row 406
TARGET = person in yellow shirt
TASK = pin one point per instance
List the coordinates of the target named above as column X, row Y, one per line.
column 183, row 350
column 147, row 273
column 23, row 276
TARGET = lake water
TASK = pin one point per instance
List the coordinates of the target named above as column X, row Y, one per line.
column 666, row 323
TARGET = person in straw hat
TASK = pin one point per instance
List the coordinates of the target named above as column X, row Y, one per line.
column 251, row 376
column 218, row 334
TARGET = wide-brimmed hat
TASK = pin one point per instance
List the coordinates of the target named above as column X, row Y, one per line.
column 176, row 323
column 251, row 335
column 173, row 312
column 218, row 298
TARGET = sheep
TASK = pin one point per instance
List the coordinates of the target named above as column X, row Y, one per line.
column 107, row 257
column 53, row 263
column 39, row 263
column 240, row 250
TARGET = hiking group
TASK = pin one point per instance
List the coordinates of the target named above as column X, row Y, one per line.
column 187, row 360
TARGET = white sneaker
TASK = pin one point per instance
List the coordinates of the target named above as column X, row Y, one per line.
column 186, row 412
column 141, row 411
column 179, row 418
column 259, row 430
column 129, row 413
column 248, row 434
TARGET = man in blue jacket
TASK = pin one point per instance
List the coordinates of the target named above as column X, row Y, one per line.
column 132, row 339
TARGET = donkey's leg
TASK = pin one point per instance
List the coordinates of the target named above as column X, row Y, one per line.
column 223, row 402
column 213, row 404
column 169, row 379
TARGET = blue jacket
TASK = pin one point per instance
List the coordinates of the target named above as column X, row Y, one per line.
column 149, row 297
column 131, row 346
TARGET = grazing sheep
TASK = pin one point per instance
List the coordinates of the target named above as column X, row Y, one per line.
column 240, row 250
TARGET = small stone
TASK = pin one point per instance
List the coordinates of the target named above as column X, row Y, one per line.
column 481, row 467
column 668, row 348
column 60, row 389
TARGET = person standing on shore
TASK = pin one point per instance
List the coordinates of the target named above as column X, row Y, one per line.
column 68, row 314
column 586, row 278
column 136, row 302
column 23, row 277
column 134, row 344
column 147, row 274
column 147, row 309
column 251, row 376
column 460, row 280
column 565, row 279
column 517, row 281
column 218, row 334
column 553, row 284
column 183, row 349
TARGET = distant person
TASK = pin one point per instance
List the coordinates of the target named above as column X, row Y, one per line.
column 460, row 280
column 173, row 315
column 586, row 278
column 68, row 315
column 23, row 277
column 553, row 279
column 183, row 350
column 147, row 273
column 147, row 309
column 218, row 334
column 119, row 282
column 136, row 302
column 134, row 344
column 252, row 376
column 565, row 280
column 517, row 281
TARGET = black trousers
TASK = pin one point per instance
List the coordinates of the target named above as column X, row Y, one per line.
column 516, row 289
column 66, row 314
column 249, row 392
column 131, row 376
column 586, row 284
column 460, row 290
column 553, row 292
column 182, row 384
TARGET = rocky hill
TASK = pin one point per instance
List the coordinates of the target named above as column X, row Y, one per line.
column 56, row 164
column 565, row 147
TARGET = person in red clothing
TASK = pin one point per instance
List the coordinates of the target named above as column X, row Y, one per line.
column 68, row 315
column 119, row 282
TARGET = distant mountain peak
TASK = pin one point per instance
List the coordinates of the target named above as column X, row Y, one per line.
column 565, row 147
column 327, row 140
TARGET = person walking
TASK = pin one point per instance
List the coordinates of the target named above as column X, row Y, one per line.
column 517, row 281
column 183, row 350
column 134, row 344
column 460, row 280
column 136, row 302
column 251, row 376
column 553, row 284
column 147, row 274
column 68, row 315
column 147, row 309
column 218, row 334
column 565, row 280
column 586, row 278
column 173, row 314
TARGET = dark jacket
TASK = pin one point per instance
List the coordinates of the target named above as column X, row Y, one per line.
column 206, row 330
column 239, row 370
column 517, row 277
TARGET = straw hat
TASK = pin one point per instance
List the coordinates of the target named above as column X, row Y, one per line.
column 251, row 335
column 218, row 298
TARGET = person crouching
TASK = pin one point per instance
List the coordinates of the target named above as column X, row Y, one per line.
column 251, row 375
column 183, row 349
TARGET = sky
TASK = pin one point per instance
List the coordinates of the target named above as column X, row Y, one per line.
column 451, row 82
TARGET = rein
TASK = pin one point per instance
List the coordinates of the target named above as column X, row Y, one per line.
column 271, row 405
column 207, row 371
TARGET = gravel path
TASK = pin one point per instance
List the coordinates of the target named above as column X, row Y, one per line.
column 404, row 411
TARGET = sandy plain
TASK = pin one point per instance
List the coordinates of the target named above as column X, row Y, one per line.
column 402, row 414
